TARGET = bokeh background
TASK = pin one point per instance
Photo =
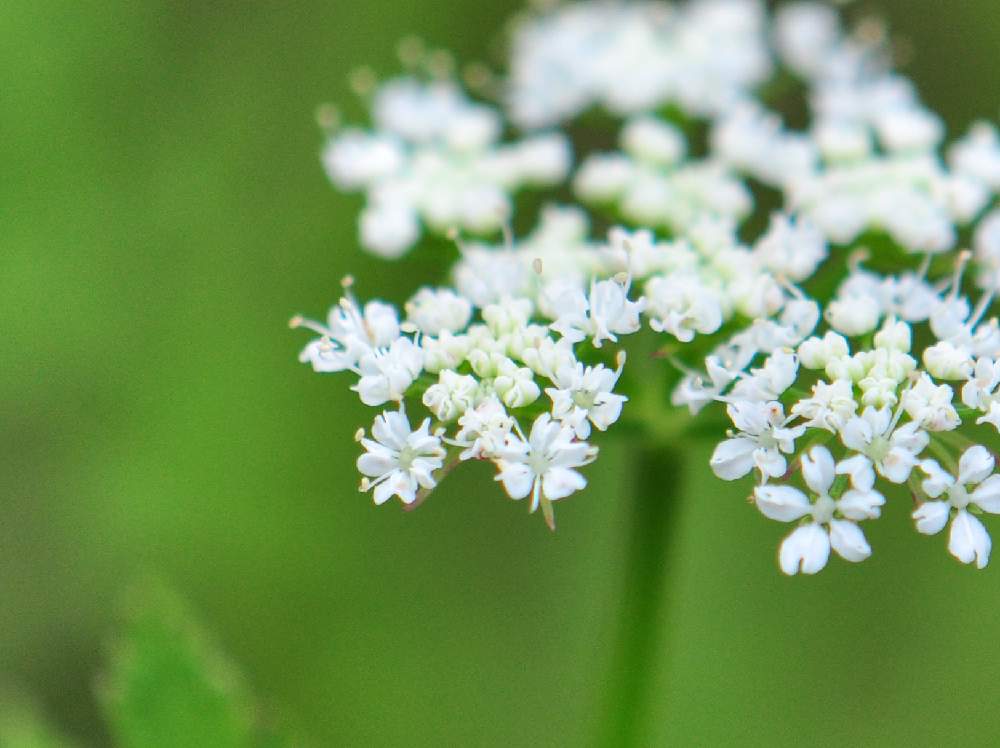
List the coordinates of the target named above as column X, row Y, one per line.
column 163, row 215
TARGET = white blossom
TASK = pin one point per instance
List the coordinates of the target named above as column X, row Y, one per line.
column 892, row 449
column 762, row 440
column 832, row 521
column 400, row 460
column 968, row 541
column 543, row 465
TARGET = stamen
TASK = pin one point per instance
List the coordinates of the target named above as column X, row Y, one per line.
column 956, row 280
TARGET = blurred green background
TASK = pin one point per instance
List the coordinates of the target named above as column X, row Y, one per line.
column 164, row 214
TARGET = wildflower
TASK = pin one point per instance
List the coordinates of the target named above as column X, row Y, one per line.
column 968, row 540
column 399, row 460
column 833, row 521
column 584, row 396
column 761, row 442
column 893, row 450
column 543, row 465
column 603, row 314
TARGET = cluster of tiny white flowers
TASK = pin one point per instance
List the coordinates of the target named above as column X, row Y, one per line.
column 434, row 160
column 848, row 338
column 635, row 57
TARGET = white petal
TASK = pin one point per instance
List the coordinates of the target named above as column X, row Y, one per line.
column 770, row 462
column 376, row 463
column 806, row 549
column 783, row 503
column 856, row 434
column 861, row 471
column 975, row 464
column 818, row 470
column 987, row 495
column 733, row 458
column 517, row 479
column 932, row 516
column 383, row 492
column 969, row 540
column 848, row 541
column 858, row 505
column 897, row 465
column 560, row 482
column 938, row 479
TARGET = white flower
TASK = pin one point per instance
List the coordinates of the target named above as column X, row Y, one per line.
column 761, row 439
column 483, row 430
column 446, row 351
column 543, row 464
column 770, row 381
column 386, row 373
column 388, row 228
column 930, row 405
column 968, row 540
column 356, row 159
column 652, row 140
column 893, row 450
column 854, row 315
column 816, row 353
column 507, row 315
column 435, row 310
column 548, row 356
column 833, row 521
column 682, row 305
column 583, row 396
column 603, row 314
column 399, row 460
column 349, row 333
column 946, row 361
column 894, row 336
column 515, row 384
column 452, row 396
column 977, row 155
column 696, row 391
column 979, row 391
column 830, row 407
column 792, row 247
column 909, row 130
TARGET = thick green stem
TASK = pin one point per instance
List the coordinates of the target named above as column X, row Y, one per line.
column 658, row 489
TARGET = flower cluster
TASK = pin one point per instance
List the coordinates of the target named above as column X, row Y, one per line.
column 433, row 159
column 827, row 289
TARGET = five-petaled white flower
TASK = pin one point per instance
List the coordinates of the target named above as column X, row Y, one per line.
column 603, row 314
column 584, row 396
column 832, row 520
column 399, row 460
column 893, row 450
column 763, row 441
column 543, row 464
column 968, row 540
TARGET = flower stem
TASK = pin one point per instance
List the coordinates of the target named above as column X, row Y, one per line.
column 658, row 488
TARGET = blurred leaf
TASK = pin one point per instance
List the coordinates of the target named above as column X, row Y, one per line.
column 167, row 685
column 22, row 725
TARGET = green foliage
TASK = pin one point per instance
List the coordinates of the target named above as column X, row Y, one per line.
column 168, row 685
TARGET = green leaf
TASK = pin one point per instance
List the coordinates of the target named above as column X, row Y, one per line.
column 167, row 685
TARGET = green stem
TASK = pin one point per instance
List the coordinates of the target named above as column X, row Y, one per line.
column 658, row 488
